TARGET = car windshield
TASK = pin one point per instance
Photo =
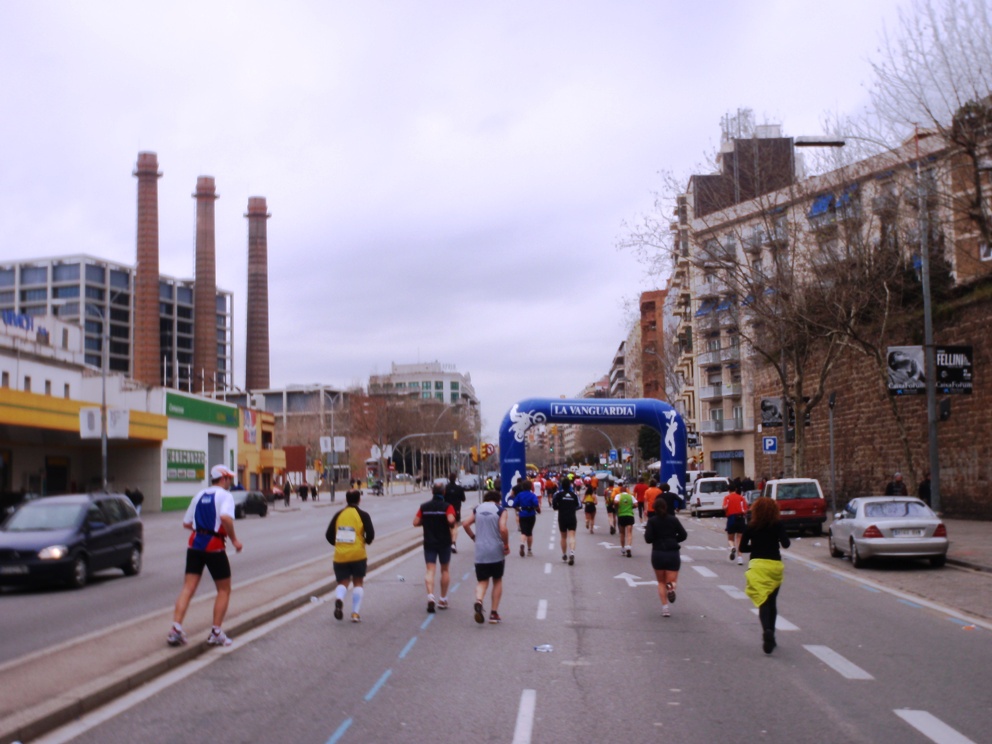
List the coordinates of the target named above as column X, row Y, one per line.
column 896, row 509
column 41, row 516
column 713, row 486
column 797, row 491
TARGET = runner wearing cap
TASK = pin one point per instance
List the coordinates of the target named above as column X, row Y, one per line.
column 210, row 519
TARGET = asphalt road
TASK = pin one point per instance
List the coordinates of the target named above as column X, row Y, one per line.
column 36, row 619
column 856, row 662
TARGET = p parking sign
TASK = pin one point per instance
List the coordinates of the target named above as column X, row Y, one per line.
column 769, row 445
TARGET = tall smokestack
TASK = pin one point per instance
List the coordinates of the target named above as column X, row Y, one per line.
column 257, row 343
column 147, row 343
column 205, row 289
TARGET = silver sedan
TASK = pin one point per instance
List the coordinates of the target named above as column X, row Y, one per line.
column 888, row 527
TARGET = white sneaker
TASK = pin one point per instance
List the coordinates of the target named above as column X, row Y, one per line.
column 218, row 638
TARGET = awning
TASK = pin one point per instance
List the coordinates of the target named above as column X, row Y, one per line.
column 706, row 308
column 725, row 304
column 821, row 205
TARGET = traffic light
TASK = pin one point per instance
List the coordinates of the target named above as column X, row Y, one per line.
column 474, row 453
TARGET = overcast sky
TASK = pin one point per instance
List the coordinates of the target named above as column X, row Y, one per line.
column 448, row 181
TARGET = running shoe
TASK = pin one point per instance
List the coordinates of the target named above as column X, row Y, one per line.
column 218, row 638
column 768, row 641
column 355, row 617
column 530, row 553
column 338, row 611
column 479, row 617
column 665, row 611
column 629, row 554
column 430, row 604
column 176, row 637
column 521, row 551
column 571, row 560
column 453, row 548
column 564, row 557
column 494, row 618
column 613, row 530
column 740, row 561
column 442, row 604
column 733, row 553
column 671, row 592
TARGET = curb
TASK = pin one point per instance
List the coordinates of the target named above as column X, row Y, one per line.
column 70, row 705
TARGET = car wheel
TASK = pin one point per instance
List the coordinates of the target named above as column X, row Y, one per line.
column 239, row 512
column 818, row 530
column 133, row 565
column 856, row 560
column 265, row 510
column 80, row 573
column 834, row 550
column 938, row 561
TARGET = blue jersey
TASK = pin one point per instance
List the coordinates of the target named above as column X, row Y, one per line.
column 204, row 515
column 526, row 503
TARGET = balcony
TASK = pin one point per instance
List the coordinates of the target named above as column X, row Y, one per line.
column 726, row 426
column 711, row 392
column 754, row 241
column 779, row 237
column 703, row 288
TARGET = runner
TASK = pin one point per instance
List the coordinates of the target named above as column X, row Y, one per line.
column 349, row 532
column 492, row 544
column 437, row 518
column 528, row 506
column 589, row 505
column 624, row 502
column 566, row 503
column 735, row 507
column 609, row 496
column 640, row 493
column 664, row 532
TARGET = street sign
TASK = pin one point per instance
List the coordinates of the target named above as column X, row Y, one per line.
column 769, row 445
column 692, row 439
column 325, row 444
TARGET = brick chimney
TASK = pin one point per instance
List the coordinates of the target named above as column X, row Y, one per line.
column 257, row 342
column 205, row 289
column 147, row 350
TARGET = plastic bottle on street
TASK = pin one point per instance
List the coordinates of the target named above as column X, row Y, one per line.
column 544, row 648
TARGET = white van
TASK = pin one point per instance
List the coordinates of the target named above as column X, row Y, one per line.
column 707, row 496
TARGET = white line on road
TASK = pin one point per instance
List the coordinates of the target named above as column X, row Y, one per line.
column 733, row 591
column 547, row 568
column 838, row 663
column 780, row 622
column 525, row 717
column 542, row 609
column 703, row 571
column 932, row 727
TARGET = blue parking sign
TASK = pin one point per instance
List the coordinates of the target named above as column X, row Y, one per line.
column 769, row 445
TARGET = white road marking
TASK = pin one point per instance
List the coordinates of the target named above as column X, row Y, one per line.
column 838, row 663
column 780, row 622
column 932, row 727
column 703, row 571
column 542, row 609
column 547, row 568
column 733, row 591
column 631, row 579
column 525, row 717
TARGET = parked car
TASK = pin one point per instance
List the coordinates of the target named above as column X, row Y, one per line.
column 403, row 478
column 888, row 527
column 69, row 538
column 249, row 502
column 469, row 482
column 800, row 503
column 707, row 496
column 751, row 496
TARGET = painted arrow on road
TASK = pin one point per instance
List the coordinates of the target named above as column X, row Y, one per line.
column 632, row 580
column 609, row 545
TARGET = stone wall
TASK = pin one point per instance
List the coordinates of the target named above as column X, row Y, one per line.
column 867, row 447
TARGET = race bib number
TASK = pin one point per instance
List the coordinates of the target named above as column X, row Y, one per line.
column 346, row 535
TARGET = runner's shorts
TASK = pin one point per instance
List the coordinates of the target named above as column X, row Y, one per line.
column 527, row 526
column 486, row 571
column 735, row 523
column 351, row 570
column 666, row 560
column 435, row 555
column 215, row 562
column 625, row 521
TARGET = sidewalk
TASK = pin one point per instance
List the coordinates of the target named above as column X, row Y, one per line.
column 970, row 543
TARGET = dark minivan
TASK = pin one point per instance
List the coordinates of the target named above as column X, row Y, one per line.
column 68, row 538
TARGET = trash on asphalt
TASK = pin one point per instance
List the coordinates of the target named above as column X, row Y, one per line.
column 544, row 648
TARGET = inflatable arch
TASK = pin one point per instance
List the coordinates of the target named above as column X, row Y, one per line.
column 613, row 411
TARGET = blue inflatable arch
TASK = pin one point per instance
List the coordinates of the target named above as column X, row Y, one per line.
column 615, row 411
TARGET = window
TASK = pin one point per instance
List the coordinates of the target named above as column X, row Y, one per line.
column 48, row 387
column 716, row 414
column 6, row 277
column 221, row 304
column 65, row 273
column 454, row 386
column 5, row 379
column 438, row 385
column 713, row 343
column 65, row 338
column 425, row 385
column 454, row 397
column 119, row 279
column 164, row 291
column 96, row 274
column 439, row 396
column 94, row 293
column 34, row 274
column 425, row 395
column 7, row 298
column 184, row 295
column 400, row 385
column 27, row 384
column 65, row 391
column 63, row 292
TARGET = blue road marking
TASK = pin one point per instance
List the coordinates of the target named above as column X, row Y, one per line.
column 407, row 647
column 378, row 685
column 423, row 625
column 336, row 736
column 911, row 604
